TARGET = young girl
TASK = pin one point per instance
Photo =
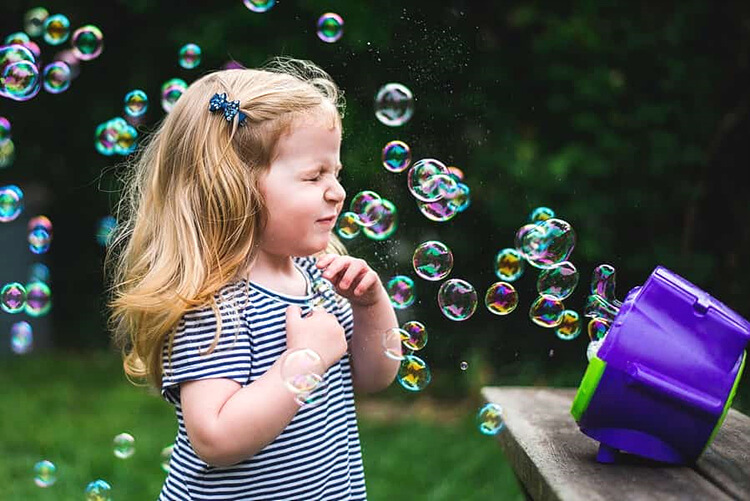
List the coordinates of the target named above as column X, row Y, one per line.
column 228, row 219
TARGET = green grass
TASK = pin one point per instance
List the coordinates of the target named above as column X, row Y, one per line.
column 68, row 408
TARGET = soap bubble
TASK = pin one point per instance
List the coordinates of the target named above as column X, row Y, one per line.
column 546, row 311
column 87, row 42
column 38, row 299
column 314, row 397
column 11, row 203
column 597, row 306
column 463, row 365
column 570, row 326
column 330, row 27
column 4, row 130
column 347, row 225
column 432, row 260
column 166, row 456
column 33, row 21
column 541, row 214
column 509, row 265
column 401, row 291
column 457, row 173
column 559, row 281
column 20, row 81
column 414, row 374
column 302, row 370
column 56, row 77
column 490, row 419
column 548, row 243
column 259, row 5
column 39, row 272
column 394, row 104
column 462, row 198
column 396, row 156
column 124, row 445
column 598, row 328
column 416, row 335
column 603, row 283
column 17, row 38
column 136, row 103
column 56, row 29
column 501, row 298
column 171, row 90
column 189, row 56
column 98, row 490
column 45, row 473
column 12, row 297
column 39, row 240
column 105, row 230
column 21, row 338
column 424, row 183
column 386, row 225
column 392, row 343
column 457, row 299
column 367, row 205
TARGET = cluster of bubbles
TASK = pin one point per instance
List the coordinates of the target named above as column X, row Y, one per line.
column 368, row 213
column 34, row 299
column 303, row 374
column 439, row 191
column 115, row 137
column 400, row 343
column 7, row 148
column 601, row 307
column 40, row 234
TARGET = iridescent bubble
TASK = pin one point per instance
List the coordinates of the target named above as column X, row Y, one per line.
column 347, row 225
column 386, row 225
column 21, row 339
column 56, row 29
column 20, row 81
column 559, row 281
column 420, row 180
column 603, row 283
column 38, row 299
column 509, row 265
column 7, row 154
column 457, row 173
column 463, row 365
column 302, row 370
column 189, row 56
column 547, row 311
column 87, row 42
column 33, row 21
column 330, row 27
column 401, row 291
column 56, row 77
column 39, row 272
column 367, row 205
column 259, row 5
column 166, row 456
column 127, row 139
column 98, row 490
column 136, row 103
column 11, row 202
column 593, row 349
column 597, row 306
column 105, row 137
column 416, row 335
column 457, row 299
column 462, row 199
column 171, row 90
column 490, row 419
column 548, row 243
column 314, row 397
column 39, row 240
column 34, row 49
column 10, row 54
column 570, row 326
column 40, row 221
column 541, row 214
column 396, row 156
column 414, row 374
column 432, row 260
column 394, row 104
column 45, row 473
column 501, row 298
column 17, row 38
column 439, row 211
column 598, row 328
column 4, row 130
column 392, row 340
column 124, row 445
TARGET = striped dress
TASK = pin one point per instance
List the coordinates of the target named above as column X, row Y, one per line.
column 318, row 455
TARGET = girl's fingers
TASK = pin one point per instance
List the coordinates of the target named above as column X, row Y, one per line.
column 367, row 282
column 324, row 260
column 333, row 269
column 355, row 271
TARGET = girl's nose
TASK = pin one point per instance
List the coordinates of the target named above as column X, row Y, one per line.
column 335, row 193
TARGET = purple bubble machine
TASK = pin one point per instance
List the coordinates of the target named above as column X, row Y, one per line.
column 665, row 374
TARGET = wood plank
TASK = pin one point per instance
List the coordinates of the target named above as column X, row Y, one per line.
column 556, row 462
column 726, row 462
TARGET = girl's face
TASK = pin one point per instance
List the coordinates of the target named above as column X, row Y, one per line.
column 301, row 189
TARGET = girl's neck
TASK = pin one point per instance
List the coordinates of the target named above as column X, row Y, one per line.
column 277, row 273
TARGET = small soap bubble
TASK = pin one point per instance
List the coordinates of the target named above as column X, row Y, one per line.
column 302, row 370
column 457, row 299
column 463, row 365
column 570, row 326
column 347, row 225
column 259, row 5
column 598, row 328
column 7, row 154
column 20, row 80
column 548, row 243
column 603, row 283
column 98, row 490
column 416, row 335
column 401, row 291
column 559, row 281
column 509, row 265
column 124, row 445
column 21, row 337
column 432, row 260
column 189, row 56
column 56, row 29
column 394, row 104
column 541, row 214
column 501, row 298
column 546, row 311
column 392, row 340
column 414, row 374
column 171, row 90
column 126, row 142
column 166, row 456
column 38, row 299
column 33, row 21
column 330, row 27
column 87, row 42
column 56, row 77
column 39, row 240
column 12, row 297
column 490, row 419
column 386, row 225
column 136, row 103
column 39, row 272
column 45, row 473
column 593, row 349
column 105, row 230
column 4, row 130
column 11, row 203
column 396, row 156
column 17, row 38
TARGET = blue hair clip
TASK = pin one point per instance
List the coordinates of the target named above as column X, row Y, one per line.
column 230, row 108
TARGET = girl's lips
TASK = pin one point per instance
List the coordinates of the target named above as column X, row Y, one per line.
column 327, row 220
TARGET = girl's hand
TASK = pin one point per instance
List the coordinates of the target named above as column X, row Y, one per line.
column 319, row 331
column 352, row 278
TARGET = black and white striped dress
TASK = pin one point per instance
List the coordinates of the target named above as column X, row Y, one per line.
column 318, row 455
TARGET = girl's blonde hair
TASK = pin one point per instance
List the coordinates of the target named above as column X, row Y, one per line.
column 191, row 211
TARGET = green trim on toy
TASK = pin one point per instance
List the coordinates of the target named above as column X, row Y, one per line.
column 728, row 403
column 588, row 386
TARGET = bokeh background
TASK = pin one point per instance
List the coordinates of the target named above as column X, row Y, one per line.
column 629, row 119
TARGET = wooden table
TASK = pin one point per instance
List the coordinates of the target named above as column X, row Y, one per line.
column 553, row 460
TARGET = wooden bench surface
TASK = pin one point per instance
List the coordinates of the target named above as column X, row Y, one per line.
column 555, row 461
